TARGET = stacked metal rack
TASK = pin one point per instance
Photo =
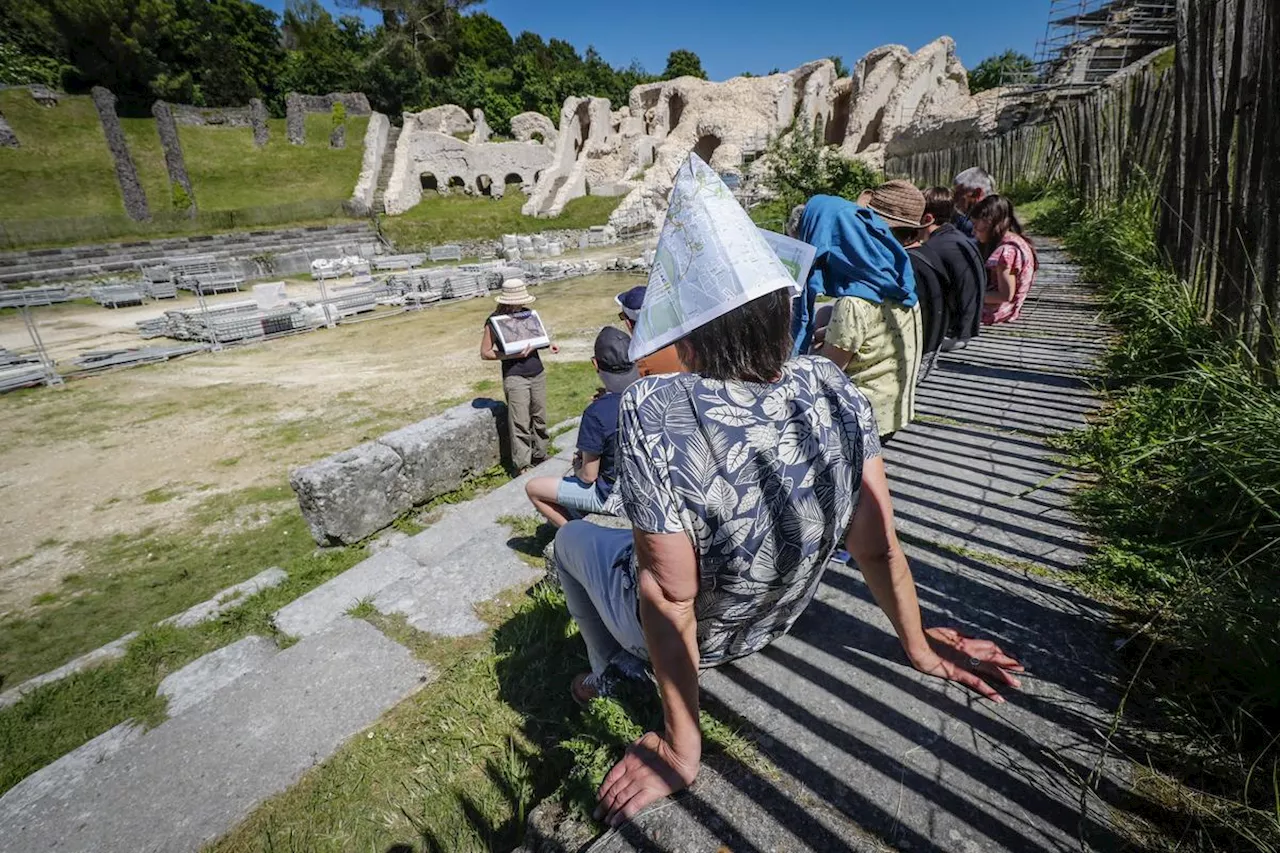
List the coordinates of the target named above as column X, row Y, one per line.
column 222, row 324
column 117, row 294
column 29, row 297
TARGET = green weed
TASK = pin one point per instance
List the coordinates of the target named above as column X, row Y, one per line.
column 1186, row 497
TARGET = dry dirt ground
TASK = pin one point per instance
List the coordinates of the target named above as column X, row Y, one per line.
column 138, row 449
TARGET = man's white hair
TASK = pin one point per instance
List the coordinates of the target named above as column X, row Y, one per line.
column 975, row 179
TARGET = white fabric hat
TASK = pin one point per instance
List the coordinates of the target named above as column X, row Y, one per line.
column 710, row 260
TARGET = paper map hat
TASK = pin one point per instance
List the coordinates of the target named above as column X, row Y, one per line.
column 710, row 260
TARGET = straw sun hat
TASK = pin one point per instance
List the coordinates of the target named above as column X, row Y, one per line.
column 514, row 292
column 898, row 202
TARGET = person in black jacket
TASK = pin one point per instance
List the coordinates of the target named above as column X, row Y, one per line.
column 964, row 270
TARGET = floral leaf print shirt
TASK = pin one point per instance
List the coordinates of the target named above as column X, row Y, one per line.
column 763, row 478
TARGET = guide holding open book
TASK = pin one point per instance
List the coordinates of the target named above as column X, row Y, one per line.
column 513, row 334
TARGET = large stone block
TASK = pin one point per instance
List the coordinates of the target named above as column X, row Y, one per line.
column 347, row 497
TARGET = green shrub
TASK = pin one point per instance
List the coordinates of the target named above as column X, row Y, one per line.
column 799, row 168
column 338, row 114
column 180, row 198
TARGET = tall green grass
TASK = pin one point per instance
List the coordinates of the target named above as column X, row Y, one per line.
column 1187, row 499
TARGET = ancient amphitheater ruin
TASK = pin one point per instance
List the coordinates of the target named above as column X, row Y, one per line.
column 893, row 98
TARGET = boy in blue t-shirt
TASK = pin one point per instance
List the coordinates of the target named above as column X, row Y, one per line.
column 595, row 463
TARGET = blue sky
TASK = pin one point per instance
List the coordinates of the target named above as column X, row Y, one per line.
column 759, row 35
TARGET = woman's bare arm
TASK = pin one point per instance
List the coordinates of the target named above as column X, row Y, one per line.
column 487, row 350
column 873, row 542
column 1006, row 284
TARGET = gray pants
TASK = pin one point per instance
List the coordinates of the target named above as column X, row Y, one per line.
column 599, row 593
column 527, row 418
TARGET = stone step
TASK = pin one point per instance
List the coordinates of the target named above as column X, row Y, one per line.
column 198, row 774
column 56, row 265
column 474, row 523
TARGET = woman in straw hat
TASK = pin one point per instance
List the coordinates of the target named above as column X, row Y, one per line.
column 740, row 478
column 524, row 381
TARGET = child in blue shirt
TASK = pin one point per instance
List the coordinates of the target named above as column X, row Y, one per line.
column 595, row 463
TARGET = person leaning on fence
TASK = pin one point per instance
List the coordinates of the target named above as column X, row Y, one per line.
column 588, row 488
column 969, row 187
column 524, row 382
column 740, row 477
column 966, row 274
column 1011, row 259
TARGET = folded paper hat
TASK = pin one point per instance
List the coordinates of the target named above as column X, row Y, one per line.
column 710, row 260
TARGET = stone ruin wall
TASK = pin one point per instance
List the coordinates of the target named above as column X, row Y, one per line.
column 432, row 156
column 635, row 150
column 135, row 200
column 297, row 106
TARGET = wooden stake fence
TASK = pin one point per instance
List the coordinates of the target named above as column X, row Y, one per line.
column 1206, row 132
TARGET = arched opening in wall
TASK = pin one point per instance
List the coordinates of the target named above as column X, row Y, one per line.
column 537, row 176
column 513, row 178
column 706, row 147
column 429, row 182
column 583, row 116
column 675, row 111
column 484, row 184
column 648, row 101
column 872, row 134
column 537, row 137
column 457, row 183
column 839, row 122
column 798, row 90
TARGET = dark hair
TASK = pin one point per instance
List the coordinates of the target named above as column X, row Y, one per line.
column 997, row 210
column 939, row 203
column 749, row 344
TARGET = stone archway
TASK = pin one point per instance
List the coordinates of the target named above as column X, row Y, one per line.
column 675, row 110
column 428, row 182
column 457, row 183
column 583, row 116
column 513, row 178
column 872, row 133
column 706, row 147
column 838, row 124
column 484, row 184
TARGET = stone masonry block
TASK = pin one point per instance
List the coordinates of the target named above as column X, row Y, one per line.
column 347, row 497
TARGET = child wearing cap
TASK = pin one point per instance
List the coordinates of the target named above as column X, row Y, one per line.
column 595, row 464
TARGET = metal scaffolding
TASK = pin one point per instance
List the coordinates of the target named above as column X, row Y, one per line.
column 1087, row 41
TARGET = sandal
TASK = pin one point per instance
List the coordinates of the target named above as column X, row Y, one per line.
column 585, row 687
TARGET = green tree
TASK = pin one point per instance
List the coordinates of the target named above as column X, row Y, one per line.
column 842, row 70
column 1000, row 70
column 683, row 63
column 323, row 55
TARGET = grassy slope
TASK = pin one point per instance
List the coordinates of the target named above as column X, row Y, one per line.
column 63, row 168
column 135, row 580
column 439, row 219
column 458, row 765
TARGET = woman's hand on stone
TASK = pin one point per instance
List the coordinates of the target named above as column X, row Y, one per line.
column 650, row 770
column 969, row 661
